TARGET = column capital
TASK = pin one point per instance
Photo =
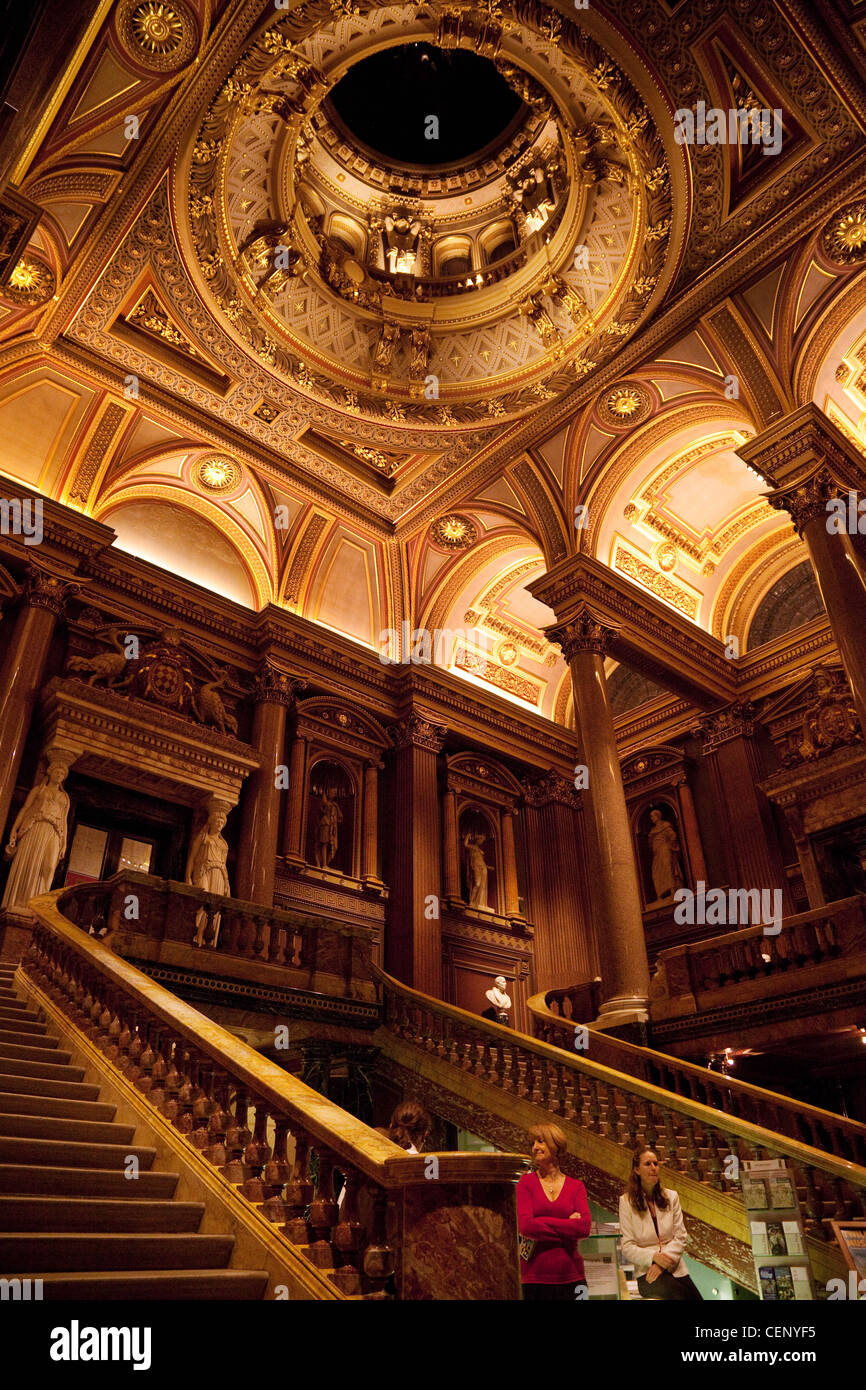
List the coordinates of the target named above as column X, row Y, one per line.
column 44, row 589
column 273, row 687
column 806, row 501
column 737, row 721
column 584, row 630
column 417, row 731
column 550, row 788
column 803, row 444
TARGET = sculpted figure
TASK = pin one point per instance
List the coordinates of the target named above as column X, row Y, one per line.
column 476, row 869
column 206, row 864
column 327, row 833
column 667, row 870
column 499, row 1000
column 37, row 840
column 401, row 241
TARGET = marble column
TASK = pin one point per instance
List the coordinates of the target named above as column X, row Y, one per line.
column 449, row 838
column 413, row 942
column 294, row 847
column 273, row 694
column 370, row 846
column 614, row 891
column 744, row 815
column 23, row 670
column 809, row 464
column 509, row 865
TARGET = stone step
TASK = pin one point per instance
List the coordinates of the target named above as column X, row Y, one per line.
column 39, row 1086
column 53, row 1127
column 48, row 1071
column 177, row 1285
column 55, row 1214
column 27, row 1252
column 66, row 1153
column 21, row 1018
column 17, row 1052
column 26, row 1103
column 29, row 1038
column 21, row 1179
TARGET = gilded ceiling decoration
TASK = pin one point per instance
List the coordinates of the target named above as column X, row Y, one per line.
column 844, row 237
column 217, row 473
column 392, row 289
column 157, row 34
column 31, row 282
column 454, row 532
column 626, row 405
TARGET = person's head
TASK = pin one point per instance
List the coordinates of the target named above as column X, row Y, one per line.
column 410, row 1125
column 655, row 816
column 547, row 1145
column 644, row 1179
column 501, row 983
column 216, row 821
column 56, row 772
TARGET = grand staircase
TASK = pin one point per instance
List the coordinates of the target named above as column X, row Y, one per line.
column 70, row 1213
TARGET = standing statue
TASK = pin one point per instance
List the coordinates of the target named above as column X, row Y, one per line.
column 206, row 869
column 667, row 873
column 327, row 833
column 476, row 868
column 499, row 1000
column 37, row 841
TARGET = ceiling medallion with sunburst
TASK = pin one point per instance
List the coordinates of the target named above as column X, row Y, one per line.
column 625, row 405
column 844, row 237
column 454, row 532
column 159, row 34
column 31, row 282
column 217, row 474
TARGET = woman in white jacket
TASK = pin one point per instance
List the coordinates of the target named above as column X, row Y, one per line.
column 653, row 1232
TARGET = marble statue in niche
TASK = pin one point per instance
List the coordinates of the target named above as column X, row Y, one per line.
column 37, row 841
column 476, row 868
column 666, row 867
column 499, row 1000
column 328, row 828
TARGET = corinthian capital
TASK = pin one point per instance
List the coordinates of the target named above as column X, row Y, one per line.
column 806, row 501
column 273, row 687
column 584, row 631
column 49, row 591
column 415, row 731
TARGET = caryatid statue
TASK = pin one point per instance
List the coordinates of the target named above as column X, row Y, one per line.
column 37, row 841
column 206, row 868
column 401, row 239
column 667, row 873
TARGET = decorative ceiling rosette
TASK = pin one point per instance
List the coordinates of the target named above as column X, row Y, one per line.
column 424, row 293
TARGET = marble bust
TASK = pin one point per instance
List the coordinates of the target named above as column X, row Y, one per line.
column 499, row 1000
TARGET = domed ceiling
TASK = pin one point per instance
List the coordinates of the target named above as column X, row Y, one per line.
column 468, row 285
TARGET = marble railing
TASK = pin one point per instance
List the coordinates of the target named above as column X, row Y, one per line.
column 159, row 919
column 836, row 931
column 554, row 1022
column 693, row 1138
column 443, row 1225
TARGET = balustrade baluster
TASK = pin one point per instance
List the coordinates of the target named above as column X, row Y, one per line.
column 218, row 1122
column 692, row 1155
column 159, row 1070
column 630, row 1120
column 277, row 946
column 298, row 1192
column 276, row 1172
column 650, row 1132
column 378, row 1262
column 347, row 1237
column 672, row 1148
column 260, row 944
column 813, row 1203
column 146, row 1061
column 256, row 1156
column 323, row 1214
column 594, row 1106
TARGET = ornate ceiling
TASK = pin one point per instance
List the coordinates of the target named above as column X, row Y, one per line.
column 297, row 372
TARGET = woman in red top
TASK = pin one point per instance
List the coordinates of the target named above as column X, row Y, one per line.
column 552, row 1216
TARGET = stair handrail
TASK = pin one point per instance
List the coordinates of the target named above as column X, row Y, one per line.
column 79, row 968
column 636, row 1059
column 757, row 1136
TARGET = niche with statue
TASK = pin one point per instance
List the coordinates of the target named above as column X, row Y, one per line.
column 331, row 818
column 660, row 853
column 478, row 860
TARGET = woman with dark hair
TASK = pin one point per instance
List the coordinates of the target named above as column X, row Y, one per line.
column 552, row 1216
column 653, row 1231
column 409, row 1126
